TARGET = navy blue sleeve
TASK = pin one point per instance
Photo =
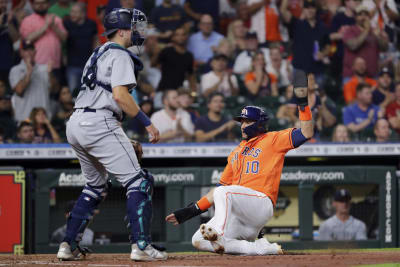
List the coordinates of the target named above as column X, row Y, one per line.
column 298, row 138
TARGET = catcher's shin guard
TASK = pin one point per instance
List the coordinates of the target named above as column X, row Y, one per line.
column 140, row 212
column 82, row 213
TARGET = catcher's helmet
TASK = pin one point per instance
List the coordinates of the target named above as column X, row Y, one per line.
column 118, row 18
column 257, row 115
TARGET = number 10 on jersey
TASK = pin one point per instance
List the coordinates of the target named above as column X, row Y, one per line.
column 252, row 166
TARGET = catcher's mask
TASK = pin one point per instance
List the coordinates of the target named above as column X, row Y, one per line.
column 257, row 115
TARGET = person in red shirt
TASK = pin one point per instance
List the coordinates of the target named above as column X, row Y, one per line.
column 246, row 194
column 393, row 110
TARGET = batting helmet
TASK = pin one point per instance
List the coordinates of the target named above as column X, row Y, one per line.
column 118, row 18
column 257, row 115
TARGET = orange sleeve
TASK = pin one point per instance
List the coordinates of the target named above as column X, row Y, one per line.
column 273, row 78
column 282, row 141
column 227, row 174
column 249, row 77
column 348, row 93
column 371, row 82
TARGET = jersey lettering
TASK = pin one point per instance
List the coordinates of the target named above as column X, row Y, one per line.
column 254, row 152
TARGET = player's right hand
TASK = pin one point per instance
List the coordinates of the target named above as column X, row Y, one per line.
column 172, row 219
column 154, row 133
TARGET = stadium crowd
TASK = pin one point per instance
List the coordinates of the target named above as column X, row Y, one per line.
column 205, row 60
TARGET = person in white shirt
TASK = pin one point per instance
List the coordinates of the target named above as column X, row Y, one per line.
column 174, row 123
column 243, row 60
column 279, row 67
column 219, row 79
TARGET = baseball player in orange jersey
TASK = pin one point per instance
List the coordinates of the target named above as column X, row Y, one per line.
column 248, row 189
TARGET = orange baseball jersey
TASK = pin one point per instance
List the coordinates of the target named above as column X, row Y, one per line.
column 258, row 163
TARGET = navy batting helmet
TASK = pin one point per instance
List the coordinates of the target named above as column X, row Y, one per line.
column 257, row 115
column 118, row 18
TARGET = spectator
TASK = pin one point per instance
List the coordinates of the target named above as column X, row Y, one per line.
column 258, row 82
column 362, row 114
column 61, row 8
column 7, row 124
column 339, row 22
column 384, row 15
column 63, row 111
column 8, row 36
column 214, row 126
column 82, row 39
column 281, row 68
column 243, row 61
column 135, row 129
column 174, row 123
column 196, row 9
column 287, row 111
column 31, row 84
column 44, row 131
column 309, row 37
column 265, row 20
column 393, row 110
column 360, row 40
column 59, row 234
column 173, row 74
column 202, row 43
column 382, row 131
column 167, row 18
column 224, row 48
column 340, row 134
column 150, row 76
column 25, row 133
column 383, row 93
column 342, row 226
column 2, row 138
column 46, row 32
column 237, row 36
column 359, row 76
column 219, row 79
column 186, row 100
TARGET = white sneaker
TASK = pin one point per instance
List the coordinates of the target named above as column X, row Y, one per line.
column 64, row 252
column 148, row 254
column 211, row 235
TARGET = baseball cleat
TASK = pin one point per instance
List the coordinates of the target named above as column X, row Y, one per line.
column 211, row 235
column 64, row 252
column 148, row 254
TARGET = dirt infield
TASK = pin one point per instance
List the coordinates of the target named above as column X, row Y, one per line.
column 331, row 258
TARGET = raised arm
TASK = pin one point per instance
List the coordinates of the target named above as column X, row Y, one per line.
column 286, row 15
column 300, row 91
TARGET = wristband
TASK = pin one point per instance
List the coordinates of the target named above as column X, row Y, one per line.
column 203, row 204
column 305, row 114
column 143, row 118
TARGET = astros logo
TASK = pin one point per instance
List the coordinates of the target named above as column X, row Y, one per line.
column 244, row 112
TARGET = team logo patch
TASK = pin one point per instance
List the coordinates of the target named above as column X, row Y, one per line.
column 244, row 112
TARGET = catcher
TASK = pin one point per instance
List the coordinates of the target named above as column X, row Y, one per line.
column 246, row 194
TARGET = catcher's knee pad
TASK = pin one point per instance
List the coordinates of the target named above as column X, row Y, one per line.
column 140, row 211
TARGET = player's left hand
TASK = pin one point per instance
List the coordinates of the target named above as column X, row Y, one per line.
column 171, row 219
column 154, row 133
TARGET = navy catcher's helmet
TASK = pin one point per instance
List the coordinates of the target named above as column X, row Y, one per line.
column 118, row 18
column 257, row 115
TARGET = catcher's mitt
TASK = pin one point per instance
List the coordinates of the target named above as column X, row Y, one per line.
column 138, row 149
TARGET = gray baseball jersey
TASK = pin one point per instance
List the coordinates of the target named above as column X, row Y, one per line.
column 335, row 229
column 97, row 138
